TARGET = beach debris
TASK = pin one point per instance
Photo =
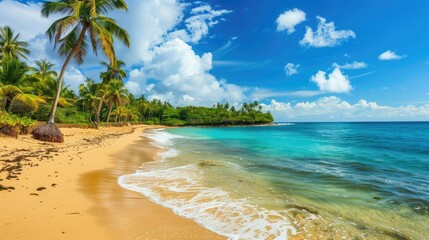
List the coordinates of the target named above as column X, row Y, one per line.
column 208, row 163
column 302, row 208
column 41, row 189
column 34, row 194
column 53, row 184
column 73, row 213
column 4, row 188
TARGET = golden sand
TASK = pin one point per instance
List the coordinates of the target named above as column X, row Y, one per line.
column 69, row 190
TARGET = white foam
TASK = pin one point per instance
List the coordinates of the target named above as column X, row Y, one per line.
column 284, row 124
column 161, row 137
column 182, row 190
column 170, row 153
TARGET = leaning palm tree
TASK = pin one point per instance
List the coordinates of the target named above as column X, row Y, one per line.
column 16, row 85
column 114, row 71
column 83, row 23
column 10, row 45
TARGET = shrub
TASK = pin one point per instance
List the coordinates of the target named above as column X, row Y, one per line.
column 13, row 125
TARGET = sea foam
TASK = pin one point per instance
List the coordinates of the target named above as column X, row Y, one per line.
column 161, row 138
column 182, row 190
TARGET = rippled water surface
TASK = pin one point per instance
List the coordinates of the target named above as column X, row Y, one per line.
column 308, row 180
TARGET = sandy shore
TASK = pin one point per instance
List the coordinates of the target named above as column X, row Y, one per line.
column 69, row 190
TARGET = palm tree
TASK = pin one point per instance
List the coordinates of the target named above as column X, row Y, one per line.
column 44, row 70
column 47, row 83
column 44, row 74
column 15, row 84
column 10, row 45
column 88, row 96
column 83, row 23
column 142, row 106
column 117, row 94
column 114, row 71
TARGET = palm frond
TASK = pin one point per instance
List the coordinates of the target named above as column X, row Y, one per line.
column 30, row 100
column 112, row 27
column 61, row 7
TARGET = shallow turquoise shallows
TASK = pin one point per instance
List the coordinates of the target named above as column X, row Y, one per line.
column 315, row 180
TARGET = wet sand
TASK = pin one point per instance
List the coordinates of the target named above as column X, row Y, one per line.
column 69, row 190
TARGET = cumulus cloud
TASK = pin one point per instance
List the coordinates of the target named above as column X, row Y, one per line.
column 336, row 82
column 334, row 109
column 291, row 69
column 289, row 19
column 389, row 55
column 148, row 23
column 205, row 17
column 183, row 77
column 73, row 77
column 198, row 25
column 353, row 65
column 24, row 18
column 325, row 35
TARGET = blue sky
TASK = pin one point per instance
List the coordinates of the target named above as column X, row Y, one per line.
column 379, row 26
column 370, row 62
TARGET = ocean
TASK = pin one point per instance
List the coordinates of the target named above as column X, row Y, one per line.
column 294, row 180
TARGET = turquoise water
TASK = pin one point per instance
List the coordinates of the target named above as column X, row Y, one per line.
column 307, row 180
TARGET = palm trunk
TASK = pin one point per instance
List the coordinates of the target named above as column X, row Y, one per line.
column 117, row 114
column 90, row 117
column 100, row 105
column 63, row 70
column 110, row 111
column 7, row 105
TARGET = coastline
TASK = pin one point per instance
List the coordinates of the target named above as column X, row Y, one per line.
column 70, row 190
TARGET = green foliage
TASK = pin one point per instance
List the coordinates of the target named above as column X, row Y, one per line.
column 10, row 44
column 174, row 122
column 30, row 91
column 157, row 112
column 13, row 125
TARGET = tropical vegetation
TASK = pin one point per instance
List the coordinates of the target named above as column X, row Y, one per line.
column 33, row 91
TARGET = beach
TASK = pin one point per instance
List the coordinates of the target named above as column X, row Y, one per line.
column 70, row 190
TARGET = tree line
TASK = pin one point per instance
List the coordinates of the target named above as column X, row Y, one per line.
column 37, row 91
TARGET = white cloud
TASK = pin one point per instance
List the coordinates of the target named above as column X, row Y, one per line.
column 148, row 23
column 134, row 88
column 289, row 19
column 336, row 82
column 389, row 55
column 334, row 109
column 198, row 25
column 325, row 35
column 183, row 77
column 24, row 18
column 73, row 78
column 259, row 94
column 291, row 69
column 353, row 65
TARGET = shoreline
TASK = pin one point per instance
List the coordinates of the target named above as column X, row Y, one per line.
column 70, row 190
